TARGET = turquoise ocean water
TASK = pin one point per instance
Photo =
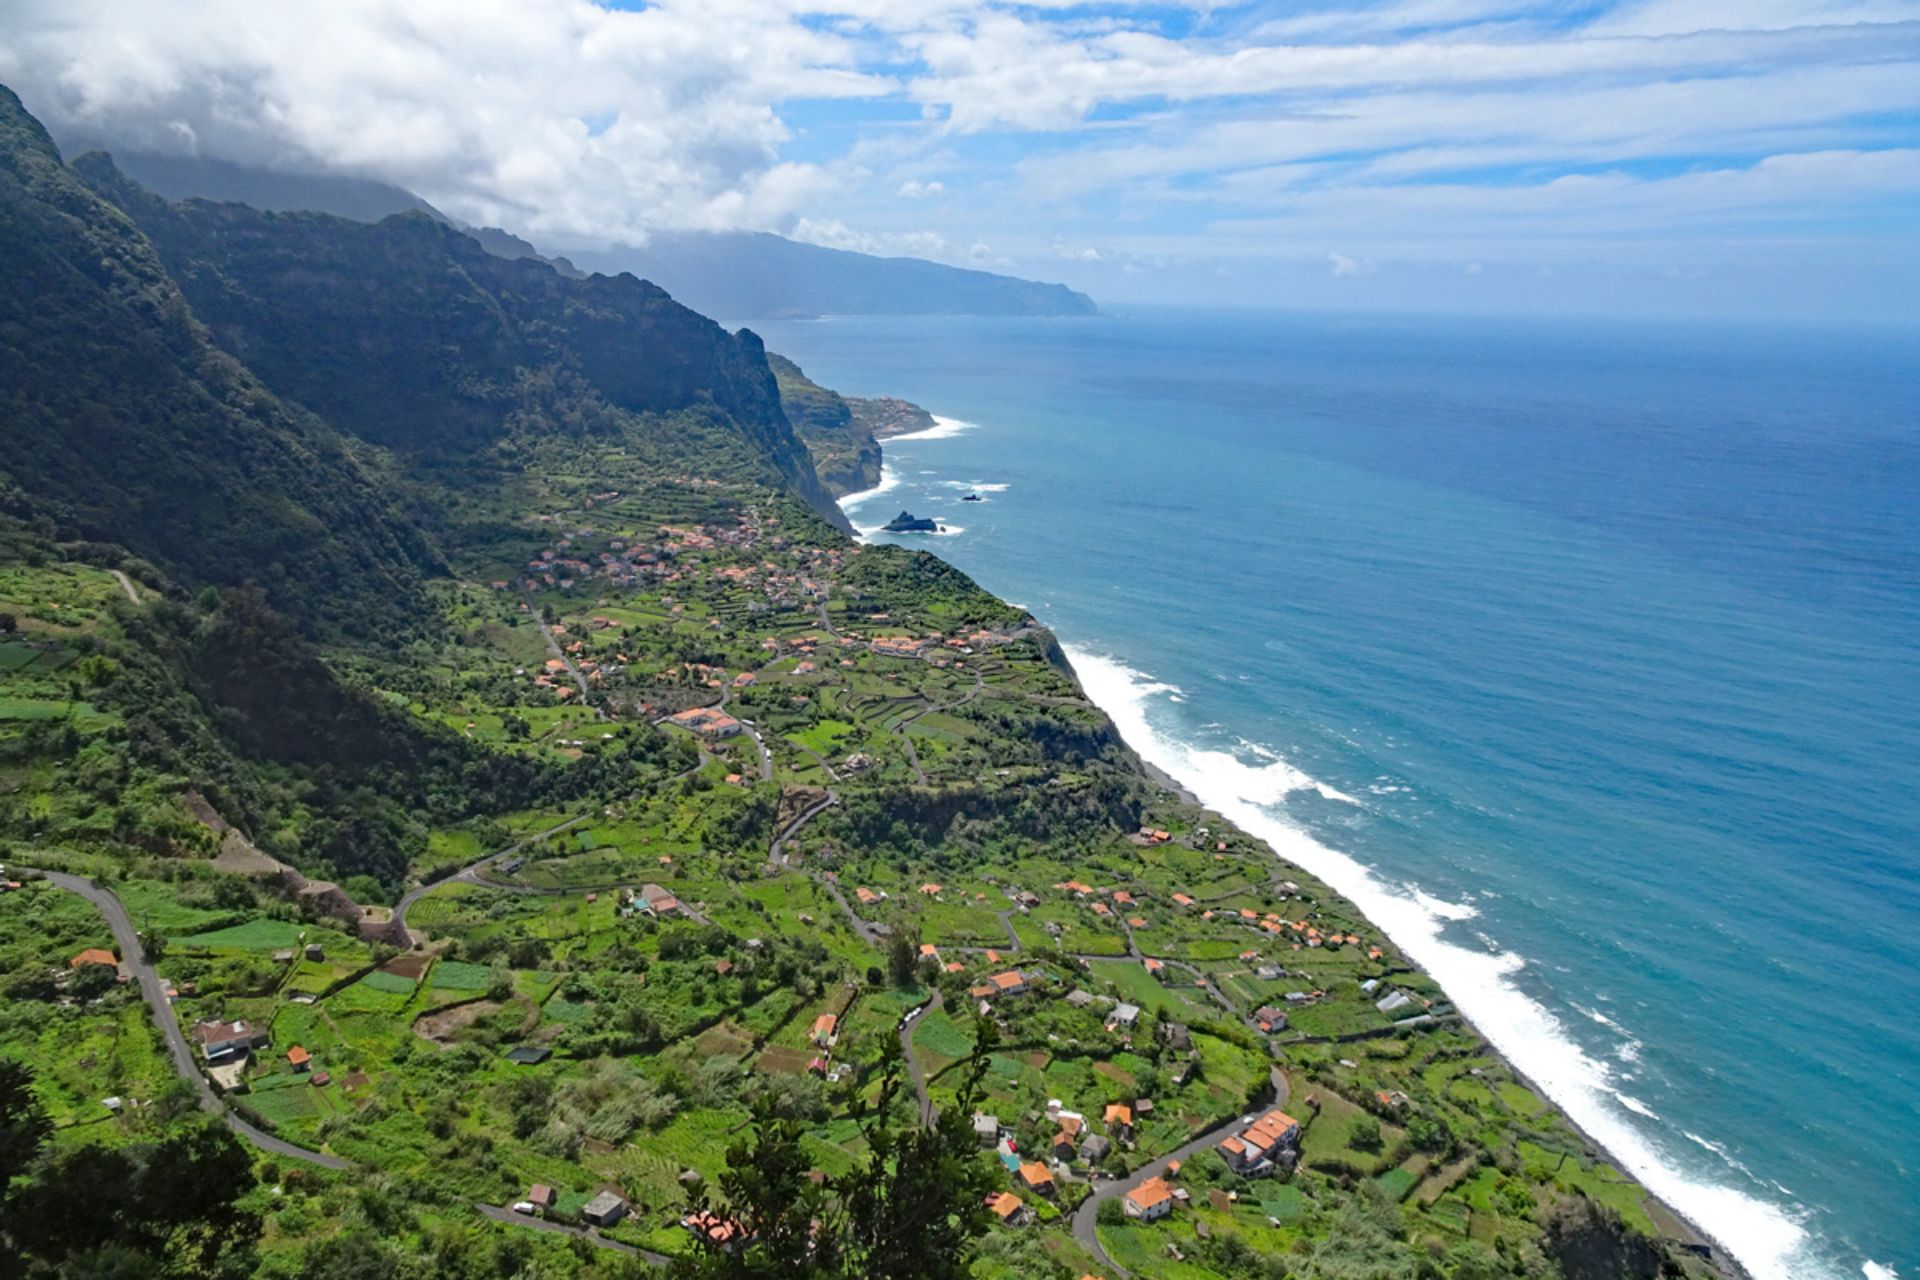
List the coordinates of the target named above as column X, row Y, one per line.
column 1587, row 659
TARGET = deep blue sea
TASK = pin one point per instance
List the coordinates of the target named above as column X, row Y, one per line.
column 1585, row 657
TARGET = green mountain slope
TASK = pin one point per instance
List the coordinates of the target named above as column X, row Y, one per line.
column 406, row 333
column 843, row 433
column 126, row 424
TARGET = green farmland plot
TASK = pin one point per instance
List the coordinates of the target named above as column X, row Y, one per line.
column 254, row 935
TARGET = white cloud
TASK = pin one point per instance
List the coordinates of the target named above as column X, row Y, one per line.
column 567, row 118
column 1392, row 128
column 834, row 234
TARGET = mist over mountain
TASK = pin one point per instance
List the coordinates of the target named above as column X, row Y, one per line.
column 739, row 276
column 752, row 274
column 126, row 423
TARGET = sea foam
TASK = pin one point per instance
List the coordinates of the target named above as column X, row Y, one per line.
column 1764, row 1236
column 942, row 429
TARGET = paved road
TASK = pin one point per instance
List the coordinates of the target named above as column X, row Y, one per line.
column 914, row 1072
column 807, row 815
column 511, row 1218
column 126, row 585
column 1086, row 1217
column 129, row 939
column 470, row 874
column 861, row 927
column 1006, row 922
column 553, row 647
column 759, row 743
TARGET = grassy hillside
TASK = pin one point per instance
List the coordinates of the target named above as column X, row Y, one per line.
column 662, row 815
column 407, row 334
column 126, row 424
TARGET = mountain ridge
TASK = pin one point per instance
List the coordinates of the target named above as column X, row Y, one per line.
column 408, row 334
column 127, row 424
column 739, row 275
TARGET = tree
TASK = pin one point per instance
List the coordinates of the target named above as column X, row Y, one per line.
column 915, row 1210
column 1365, row 1133
column 90, row 981
column 153, row 945
column 900, row 960
column 175, row 1201
column 24, row 1127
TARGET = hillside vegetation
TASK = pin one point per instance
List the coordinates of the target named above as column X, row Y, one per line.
column 436, row 691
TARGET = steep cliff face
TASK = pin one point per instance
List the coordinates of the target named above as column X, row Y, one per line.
column 408, row 334
column 124, row 422
column 843, row 433
column 845, row 453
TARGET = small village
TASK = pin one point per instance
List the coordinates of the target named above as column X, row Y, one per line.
column 1191, row 1035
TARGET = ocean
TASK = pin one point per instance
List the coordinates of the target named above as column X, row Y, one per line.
column 1584, row 657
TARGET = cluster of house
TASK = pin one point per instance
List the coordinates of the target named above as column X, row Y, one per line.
column 710, row 723
column 1268, row 1143
column 608, row 1208
column 649, row 900
column 1008, row 983
column 961, row 642
column 228, row 1047
column 625, row 564
column 1153, row 1198
column 825, row 1036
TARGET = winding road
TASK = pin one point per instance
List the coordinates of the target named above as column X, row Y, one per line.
column 470, row 873
column 1086, row 1218
column 807, row 815
column 182, row 1052
column 914, row 1072
column 591, row 1236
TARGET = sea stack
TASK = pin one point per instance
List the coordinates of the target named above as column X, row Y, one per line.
column 907, row 522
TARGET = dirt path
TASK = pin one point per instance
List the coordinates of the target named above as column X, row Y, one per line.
column 126, row 585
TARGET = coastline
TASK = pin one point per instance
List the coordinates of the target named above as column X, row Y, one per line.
column 1415, row 930
column 1677, row 1225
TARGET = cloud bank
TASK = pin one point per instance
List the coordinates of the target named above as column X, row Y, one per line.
column 1109, row 141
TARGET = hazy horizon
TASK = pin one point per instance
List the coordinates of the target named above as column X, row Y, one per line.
column 1624, row 157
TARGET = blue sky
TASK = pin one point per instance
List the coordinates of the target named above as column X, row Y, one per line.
column 1665, row 156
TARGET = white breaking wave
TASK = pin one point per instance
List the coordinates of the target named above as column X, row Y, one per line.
column 1764, row 1236
column 1879, row 1271
column 942, row 429
column 973, row 486
column 889, row 480
column 1634, row 1105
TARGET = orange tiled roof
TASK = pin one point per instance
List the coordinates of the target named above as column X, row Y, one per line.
column 1152, row 1192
